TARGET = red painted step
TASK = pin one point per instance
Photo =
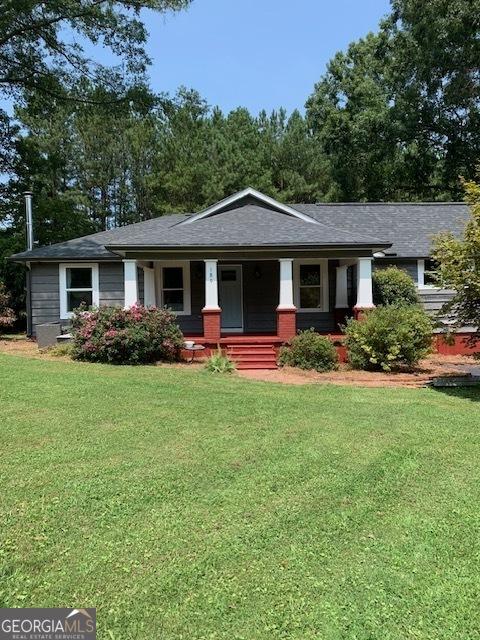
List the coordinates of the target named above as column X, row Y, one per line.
column 251, row 352
column 262, row 357
column 256, row 365
column 253, row 355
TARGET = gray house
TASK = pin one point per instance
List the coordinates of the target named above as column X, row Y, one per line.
column 247, row 267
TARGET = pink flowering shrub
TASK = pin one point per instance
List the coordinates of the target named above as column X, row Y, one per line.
column 126, row 336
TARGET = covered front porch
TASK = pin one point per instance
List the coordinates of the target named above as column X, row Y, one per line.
column 259, row 299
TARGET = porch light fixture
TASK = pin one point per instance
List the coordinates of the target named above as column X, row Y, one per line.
column 257, row 272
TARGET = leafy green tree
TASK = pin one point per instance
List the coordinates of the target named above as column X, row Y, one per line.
column 397, row 115
column 434, row 69
column 459, row 264
column 350, row 113
column 182, row 165
column 41, row 41
column 301, row 172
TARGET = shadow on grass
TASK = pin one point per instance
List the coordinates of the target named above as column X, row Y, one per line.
column 467, row 393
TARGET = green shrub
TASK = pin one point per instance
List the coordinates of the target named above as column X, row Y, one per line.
column 219, row 363
column 309, row 350
column 126, row 336
column 388, row 337
column 393, row 286
column 7, row 315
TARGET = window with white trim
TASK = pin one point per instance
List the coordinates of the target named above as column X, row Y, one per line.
column 429, row 275
column 175, row 287
column 78, row 285
column 311, row 285
column 426, row 270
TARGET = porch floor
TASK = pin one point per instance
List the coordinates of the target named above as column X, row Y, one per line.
column 239, row 338
column 256, row 338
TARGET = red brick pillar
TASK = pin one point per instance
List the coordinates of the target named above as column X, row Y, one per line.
column 286, row 323
column 212, row 324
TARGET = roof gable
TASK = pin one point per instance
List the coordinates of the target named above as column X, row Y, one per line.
column 249, row 195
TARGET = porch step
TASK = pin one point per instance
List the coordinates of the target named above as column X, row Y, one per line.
column 256, row 365
column 261, row 351
column 253, row 355
column 262, row 357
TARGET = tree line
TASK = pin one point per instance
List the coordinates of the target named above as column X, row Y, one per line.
column 394, row 117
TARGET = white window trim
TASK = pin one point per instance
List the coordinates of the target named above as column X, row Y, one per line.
column 187, row 302
column 323, row 263
column 421, row 277
column 63, row 266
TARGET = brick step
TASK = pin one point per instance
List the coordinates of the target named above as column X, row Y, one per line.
column 256, row 365
column 255, row 358
column 251, row 352
column 242, row 347
column 252, row 355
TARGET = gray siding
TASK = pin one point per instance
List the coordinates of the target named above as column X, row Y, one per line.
column 193, row 324
column 46, row 290
column 434, row 299
column 45, row 294
column 111, row 284
column 431, row 299
column 260, row 296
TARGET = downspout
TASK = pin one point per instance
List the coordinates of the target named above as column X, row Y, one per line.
column 29, row 233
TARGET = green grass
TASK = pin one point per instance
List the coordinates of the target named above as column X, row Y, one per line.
column 185, row 505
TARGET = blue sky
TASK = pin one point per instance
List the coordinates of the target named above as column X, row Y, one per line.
column 254, row 53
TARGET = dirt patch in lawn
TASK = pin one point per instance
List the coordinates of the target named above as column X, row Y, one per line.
column 22, row 346
column 436, row 365
column 19, row 346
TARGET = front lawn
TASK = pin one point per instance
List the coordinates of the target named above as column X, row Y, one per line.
column 185, row 505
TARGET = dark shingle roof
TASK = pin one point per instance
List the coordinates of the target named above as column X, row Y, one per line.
column 249, row 225
column 408, row 227
column 93, row 246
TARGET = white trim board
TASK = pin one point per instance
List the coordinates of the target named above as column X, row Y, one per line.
column 62, row 278
column 187, row 298
column 323, row 262
column 421, row 277
column 261, row 197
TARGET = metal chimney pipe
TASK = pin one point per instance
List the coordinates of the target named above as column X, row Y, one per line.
column 29, row 219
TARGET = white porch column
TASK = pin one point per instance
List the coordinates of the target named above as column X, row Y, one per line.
column 211, row 285
column 341, row 293
column 130, row 282
column 364, row 284
column 286, row 284
column 150, row 299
